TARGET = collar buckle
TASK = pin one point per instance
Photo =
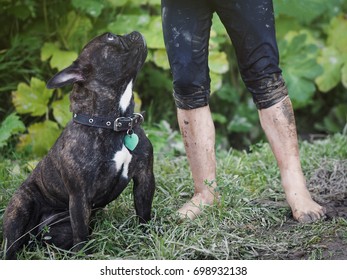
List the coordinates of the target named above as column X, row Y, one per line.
column 120, row 123
column 127, row 123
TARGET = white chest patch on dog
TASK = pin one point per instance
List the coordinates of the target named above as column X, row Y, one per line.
column 122, row 159
column 126, row 97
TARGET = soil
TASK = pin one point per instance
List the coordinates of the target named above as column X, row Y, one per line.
column 328, row 186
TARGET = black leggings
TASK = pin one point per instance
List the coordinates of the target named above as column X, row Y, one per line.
column 250, row 25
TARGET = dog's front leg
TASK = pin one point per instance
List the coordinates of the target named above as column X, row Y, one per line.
column 144, row 188
column 79, row 215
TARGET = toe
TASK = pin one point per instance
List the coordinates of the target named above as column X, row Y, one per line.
column 310, row 217
column 304, row 219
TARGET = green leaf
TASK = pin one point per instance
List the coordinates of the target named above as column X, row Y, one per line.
column 138, row 102
column 229, row 93
column 153, row 33
column 40, row 137
column 284, row 24
column 59, row 59
column 160, row 59
column 300, row 90
column 149, row 26
column 305, row 11
column 299, row 68
column 126, row 23
column 219, row 118
column 20, row 9
column 158, row 80
column 10, row 126
column 216, row 81
column 335, row 121
column 337, row 34
column 61, row 110
column 32, row 99
column 142, row 2
column 74, row 31
column 331, row 61
column 48, row 50
column 154, row 2
column 239, row 124
column 118, row 3
column 91, row 7
column 218, row 62
column 217, row 26
column 218, row 34
column 344, row 74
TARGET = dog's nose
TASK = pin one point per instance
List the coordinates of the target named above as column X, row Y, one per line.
column 136, row 36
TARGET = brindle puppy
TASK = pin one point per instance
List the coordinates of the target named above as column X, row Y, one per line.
column 95, row 157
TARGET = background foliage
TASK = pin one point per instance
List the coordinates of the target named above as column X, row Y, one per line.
column 40, row 37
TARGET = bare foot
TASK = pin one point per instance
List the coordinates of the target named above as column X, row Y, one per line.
column 194, row 207
column 304, row 208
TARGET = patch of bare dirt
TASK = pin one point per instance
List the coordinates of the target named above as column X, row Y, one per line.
column 328, row 186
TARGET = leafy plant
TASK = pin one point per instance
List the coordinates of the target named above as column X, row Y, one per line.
column 300, row 68
column 36, row 100
column 40, row 137
column 58, row 58
column 12, row 125
column 333, row 57
column 166, row 141
column 33, row 98
column 316, row 94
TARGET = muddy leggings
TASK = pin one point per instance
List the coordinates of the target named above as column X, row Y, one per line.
column 250, row 25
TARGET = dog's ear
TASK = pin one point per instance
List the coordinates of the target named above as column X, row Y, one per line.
column 66, row 76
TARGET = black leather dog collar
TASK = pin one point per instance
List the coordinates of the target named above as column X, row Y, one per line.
column 119, row 124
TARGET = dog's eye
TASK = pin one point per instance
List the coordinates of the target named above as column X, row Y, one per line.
column 110, row 37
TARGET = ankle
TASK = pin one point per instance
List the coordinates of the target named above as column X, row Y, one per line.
column 206, row 196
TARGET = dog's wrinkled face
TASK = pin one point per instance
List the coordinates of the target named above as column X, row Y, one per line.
column 108, row 58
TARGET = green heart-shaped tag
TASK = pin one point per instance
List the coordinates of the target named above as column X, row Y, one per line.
column 131, row 141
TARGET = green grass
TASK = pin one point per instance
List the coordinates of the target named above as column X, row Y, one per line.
column 252, row 221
